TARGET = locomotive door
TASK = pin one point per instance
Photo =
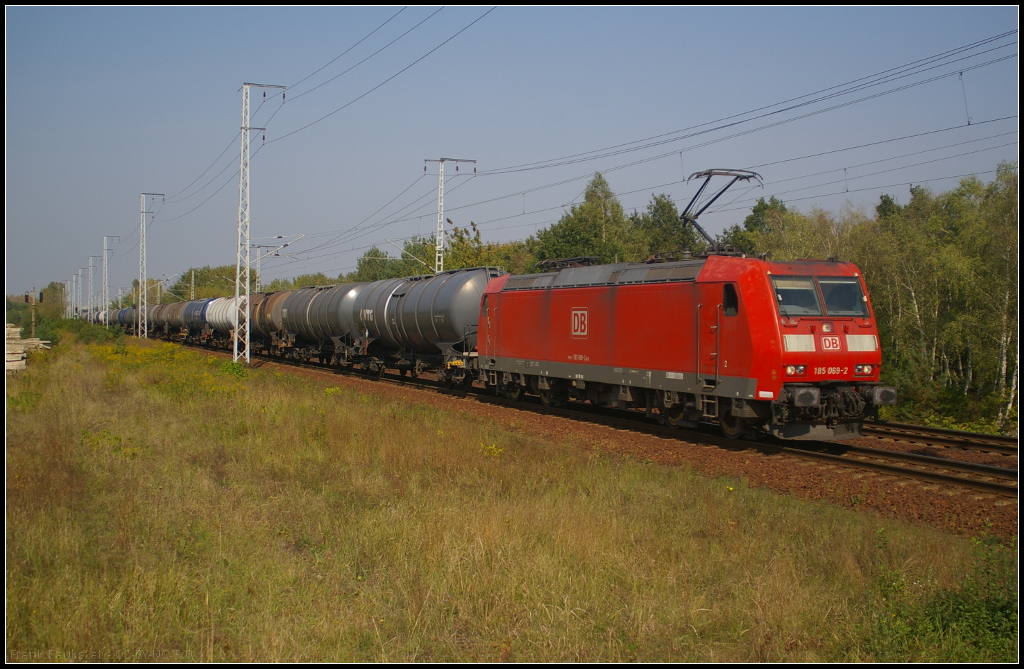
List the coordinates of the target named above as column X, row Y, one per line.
column 708, row 317
column 720, row 332
column 489, row 313
column 722, row 338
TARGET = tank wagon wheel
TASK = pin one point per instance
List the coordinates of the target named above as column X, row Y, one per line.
column 732, row 427
column 402, row 371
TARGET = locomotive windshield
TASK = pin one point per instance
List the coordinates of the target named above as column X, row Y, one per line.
column 798, row 296
column 842, row 296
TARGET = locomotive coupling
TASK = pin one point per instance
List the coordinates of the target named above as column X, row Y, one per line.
column 805, row 397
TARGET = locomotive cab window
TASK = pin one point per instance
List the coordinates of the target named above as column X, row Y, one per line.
column 796, row 296
column 730, row 300
column 843, row 296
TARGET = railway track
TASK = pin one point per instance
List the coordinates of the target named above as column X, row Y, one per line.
column 984, row 478
column 936, row 436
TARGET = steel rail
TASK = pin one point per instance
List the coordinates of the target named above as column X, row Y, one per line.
column 993, row 443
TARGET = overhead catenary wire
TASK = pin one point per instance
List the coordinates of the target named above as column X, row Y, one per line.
column 296, row 97
column 332, row 61
column 523, row 192
column 357, row 99
column 480, row 224
column 589, row 175
column 893, row 185
column 171, row 198
column 885, row 76
column 870, row 80
column 863, row 176
column 333, row 112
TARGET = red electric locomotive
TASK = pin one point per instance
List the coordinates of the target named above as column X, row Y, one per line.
column 789, row 348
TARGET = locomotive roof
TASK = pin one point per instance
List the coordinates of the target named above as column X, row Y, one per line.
column 603, row 275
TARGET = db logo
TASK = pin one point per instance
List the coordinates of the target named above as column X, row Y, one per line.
column 830, row 344
column 580, row 322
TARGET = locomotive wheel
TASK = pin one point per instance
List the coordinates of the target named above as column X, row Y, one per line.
column 549, row 399
column 674, row 415
column 515, row 392
column 732, row 427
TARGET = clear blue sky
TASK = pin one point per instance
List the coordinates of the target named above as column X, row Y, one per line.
column 105, row 103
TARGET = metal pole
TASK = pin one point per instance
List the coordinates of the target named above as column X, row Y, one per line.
column 81, row 287
column 439, row 235
column 106, row 285
column 92, row 295
column 88, row 308
column 140, row 311
column 242, row 260
column 142, row 329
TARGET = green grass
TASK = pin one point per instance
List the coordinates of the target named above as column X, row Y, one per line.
column 165, row 505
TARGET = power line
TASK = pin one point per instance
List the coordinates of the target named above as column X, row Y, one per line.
column 893, row 169
column 171, row 197
column 631, row 164
column 349, row 49
column 294, row 98
column 907, row 155
column 884, row 141
column 348, row 104
column 885, row 76
column 231, row 143
column 861, row 190
column 805, row 176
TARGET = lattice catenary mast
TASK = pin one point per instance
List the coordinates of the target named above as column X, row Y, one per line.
column 141, row 320
column 439, row 236
column 91, row 294
column 240, row 336
column 106, row 286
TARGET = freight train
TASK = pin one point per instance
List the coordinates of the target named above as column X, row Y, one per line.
column 789, row 348
column 786, row 348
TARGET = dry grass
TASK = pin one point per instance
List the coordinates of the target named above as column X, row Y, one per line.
column 162, row 505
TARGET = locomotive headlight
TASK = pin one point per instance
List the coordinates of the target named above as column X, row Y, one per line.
column 796, row 370
column 863, row 370
column 827, row 327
